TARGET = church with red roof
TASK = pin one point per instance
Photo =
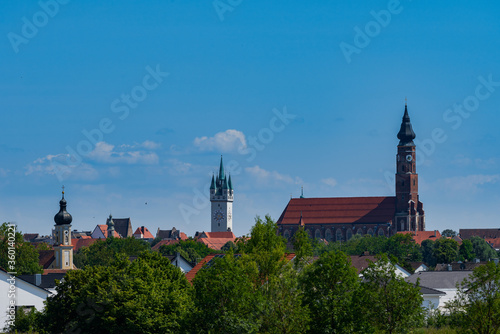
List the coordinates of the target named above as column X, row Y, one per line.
column 339, row 218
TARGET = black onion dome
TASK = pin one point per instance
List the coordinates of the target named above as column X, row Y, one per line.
column 406, row 134
column 63, row 217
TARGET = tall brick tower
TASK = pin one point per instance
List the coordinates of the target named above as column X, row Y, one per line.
column 409, row 214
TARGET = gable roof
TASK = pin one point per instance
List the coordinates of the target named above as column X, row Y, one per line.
column 104, row 231
column 81, row 242
column 339, row 210
column 30, row 236
column 420, row 236
column 123, row 226
column 48, row 281
column 215, row 243
column 429, row 291
column 439, row 279
column 46, row 257
column 361, row 262
column 143, row 232
column 490, row 235
column 24, row 280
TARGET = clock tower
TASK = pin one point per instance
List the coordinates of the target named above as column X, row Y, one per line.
column 409, row 210
column 221, row 196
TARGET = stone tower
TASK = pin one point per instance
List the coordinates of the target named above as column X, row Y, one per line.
column 409, row 214
column 63, row 250
column 221, row 196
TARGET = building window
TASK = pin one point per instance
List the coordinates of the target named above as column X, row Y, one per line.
column 413, row 181
column 317, row 234
column 328, row 235
column 348, row 234
column 402, row 197
column 359, row 232
column 381, row 232
column 403, row 183
column 370, row 232
column 287, row 235
column 339, row 235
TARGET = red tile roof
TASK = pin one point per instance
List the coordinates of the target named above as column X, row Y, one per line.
column 192, row 273
column 56, row 271
column 183, row 236
column 227, row 235
column 104, row 230
column 144, row 232
column 45, row 258
column 339, row 210
column 215, row 243
column 420, row 236
column 491, row 235
column 164, row 242
column 81, row 242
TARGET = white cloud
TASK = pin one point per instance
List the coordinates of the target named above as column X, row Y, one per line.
column 227, row 141
column 147, row 144
column 179, row 167
column 329, row 182
column 107, row 153
column 468, row 184
column 271, row 177
column 59, row 166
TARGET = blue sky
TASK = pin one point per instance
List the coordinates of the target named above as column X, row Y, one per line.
column 291, row 93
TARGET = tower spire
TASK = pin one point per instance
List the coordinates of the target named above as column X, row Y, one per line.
column 406, row 134
column 63, row 217
column 221, row 169
column 212, row 186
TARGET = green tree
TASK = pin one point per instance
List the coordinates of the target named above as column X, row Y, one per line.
column 302, row 247
column 391, row 304
column 449, row 233
column 477, row 305
column 190, row 249
column 445, row 250
column 229, row 246
column 225, row 298
column 482, row 249
column 331, row 286
column 103, row 252
column 148, row 295
column 16, row 255
column 427, row 249
column 466, row 251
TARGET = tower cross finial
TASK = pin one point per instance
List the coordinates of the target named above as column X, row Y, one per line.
column 406, row 101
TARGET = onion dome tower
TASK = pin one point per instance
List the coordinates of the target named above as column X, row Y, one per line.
column 63, row 249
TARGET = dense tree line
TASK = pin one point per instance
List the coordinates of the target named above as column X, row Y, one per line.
column 255, row 288
column 258, row 290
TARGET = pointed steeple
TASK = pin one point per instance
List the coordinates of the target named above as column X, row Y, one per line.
column 212, row 186
column 63, row 217
column 224, row 184
column 221, row 170
column 406, row 134
column 302, row 192
column 230, row 183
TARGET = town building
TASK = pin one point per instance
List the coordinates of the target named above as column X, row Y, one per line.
column 339, row 218
column 221, row 197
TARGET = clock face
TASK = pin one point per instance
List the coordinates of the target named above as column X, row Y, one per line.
column 218, row 216
column 409, row 157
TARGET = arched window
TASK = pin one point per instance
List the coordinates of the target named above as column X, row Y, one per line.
column 287, row 234
column 317, row 234
column 381, row 232
column 328, row 235
column 402, row 223
column 370, row 232
column 338, row 236
column 359, row 232
column 348, row 234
